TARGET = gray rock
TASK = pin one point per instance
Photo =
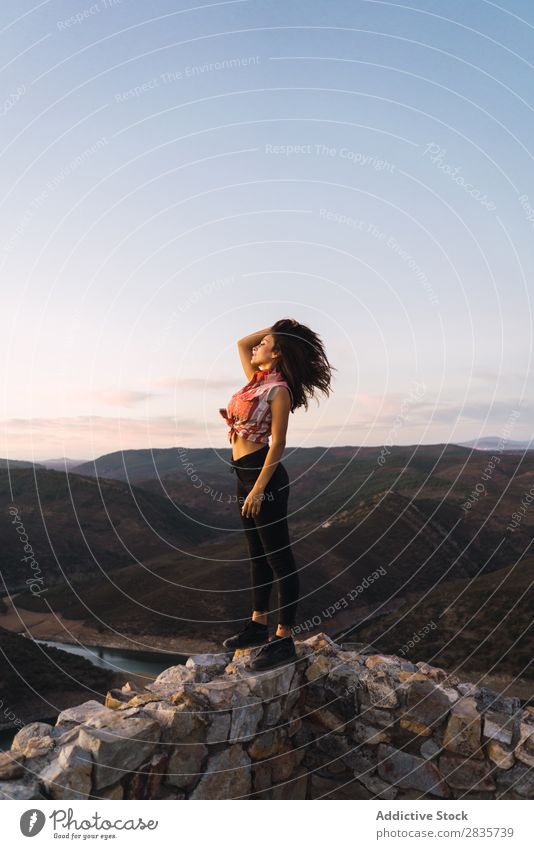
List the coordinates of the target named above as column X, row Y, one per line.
column 271, row 683
column 488, row 700
column 377, row 788
column 498, row 726
column 348, row 675
column 322, row 642
column 408, row 666
column 428, row 702
column 295, row 788
column 467, row 689
column 227, row 776
column 69, row 775
column 367, row 735
column 404, row 770
column 171, row 680
column 430, row 749
column 380, row 718
column 38, row 747
column 378, row 691
column 185, row 765
column 81, row 713
column 519, row 778
column 524, row 750
column 292, row 697
column 177, row 722
column 362, row 759
column 112, row 718
column 335, row 745
column 245, row 721
column 173, row 675
column 11, row 766
column 10, row 790
column 120, row 750
column 331, row 713
column 219, row 727
column 463, row 732
column 223, row 694
column 273, row 712
column 212, row 664
column 33, row 729
column 462, row 774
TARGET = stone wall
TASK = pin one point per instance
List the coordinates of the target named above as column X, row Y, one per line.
column 334, row 724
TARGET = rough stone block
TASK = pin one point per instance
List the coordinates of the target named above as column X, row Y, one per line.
column 427, row 703
column 185, row 765
column 11, row 766
column 498, row 726
column 27, row 789
column 499, row 755
column 404, row 770
column 119, row 750
column 30, row 731
column 463, row 732
column 466, row 774
column 293, row 788
column 81, row 714
column 227, row 776
column 69, row 776
column 524, row 750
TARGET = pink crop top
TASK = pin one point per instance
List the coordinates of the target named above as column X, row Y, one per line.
column 248, row 412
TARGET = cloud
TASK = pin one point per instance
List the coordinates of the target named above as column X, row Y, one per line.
column 199, row 383
column 122, row 397
column 92, row 436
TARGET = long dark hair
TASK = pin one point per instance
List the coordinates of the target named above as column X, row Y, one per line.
column 302, row 361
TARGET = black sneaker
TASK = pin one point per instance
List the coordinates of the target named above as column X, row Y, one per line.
column 277, row 652
column 253, row 634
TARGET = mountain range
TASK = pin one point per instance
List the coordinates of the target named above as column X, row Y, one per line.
column 151, row 543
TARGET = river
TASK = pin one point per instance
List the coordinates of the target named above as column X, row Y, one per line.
column 149, row 663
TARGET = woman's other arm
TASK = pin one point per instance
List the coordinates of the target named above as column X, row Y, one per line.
column 245, row 346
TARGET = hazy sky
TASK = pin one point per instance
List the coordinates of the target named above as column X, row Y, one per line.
column 177, row 175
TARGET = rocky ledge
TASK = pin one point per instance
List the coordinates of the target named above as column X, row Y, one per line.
column 335, row 724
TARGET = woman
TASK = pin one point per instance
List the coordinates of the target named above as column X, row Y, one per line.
column 284, row 365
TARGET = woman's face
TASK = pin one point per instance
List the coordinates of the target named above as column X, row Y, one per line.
column 263, row 354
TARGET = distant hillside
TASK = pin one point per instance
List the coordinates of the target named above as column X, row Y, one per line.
column 62, row 463
column 327, row 484
column 198, row 594
column 136, row 465
column 494, row 443
column 18, row 464
column 350, row 516
column 79, row 527
column 483, row 624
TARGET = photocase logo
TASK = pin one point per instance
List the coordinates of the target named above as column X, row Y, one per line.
column 31, row 822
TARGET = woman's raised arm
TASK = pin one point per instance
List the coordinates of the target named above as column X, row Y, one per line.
column 245, row 346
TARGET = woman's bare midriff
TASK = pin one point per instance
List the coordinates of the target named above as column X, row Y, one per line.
column 242, row 446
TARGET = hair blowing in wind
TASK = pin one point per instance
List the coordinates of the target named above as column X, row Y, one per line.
column 303, row 361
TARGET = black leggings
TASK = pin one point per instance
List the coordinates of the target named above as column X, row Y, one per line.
column 268, row 536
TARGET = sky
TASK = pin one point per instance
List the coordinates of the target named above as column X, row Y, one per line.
column 178, row 175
